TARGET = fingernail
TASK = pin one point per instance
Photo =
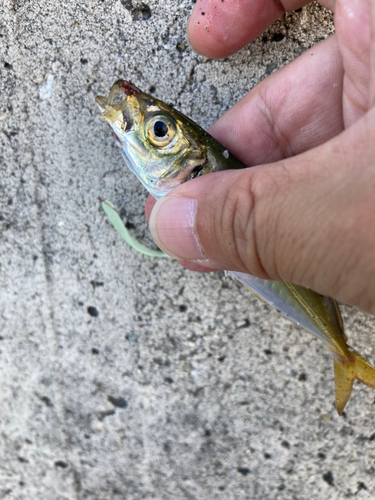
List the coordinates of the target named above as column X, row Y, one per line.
column 172, row 225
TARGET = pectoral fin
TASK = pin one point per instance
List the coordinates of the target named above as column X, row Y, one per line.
column 346, row 371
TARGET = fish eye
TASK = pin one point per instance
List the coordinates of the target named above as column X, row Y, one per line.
column 160, row 130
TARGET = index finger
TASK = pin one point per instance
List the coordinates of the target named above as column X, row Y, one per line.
column 219, row 28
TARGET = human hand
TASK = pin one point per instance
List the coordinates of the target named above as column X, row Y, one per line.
column 306, row 213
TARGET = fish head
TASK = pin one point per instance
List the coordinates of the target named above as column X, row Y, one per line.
column 161, row 146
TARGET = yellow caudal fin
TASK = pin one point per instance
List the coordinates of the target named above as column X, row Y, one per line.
column 346, row 371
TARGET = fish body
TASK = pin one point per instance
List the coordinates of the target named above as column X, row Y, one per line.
column 165, row 148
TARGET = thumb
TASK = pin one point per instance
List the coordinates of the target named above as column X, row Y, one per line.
column 308, row 219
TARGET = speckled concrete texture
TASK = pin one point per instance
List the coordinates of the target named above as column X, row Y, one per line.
column 122, row 376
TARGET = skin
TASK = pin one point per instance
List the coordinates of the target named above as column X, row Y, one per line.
column 305, row 212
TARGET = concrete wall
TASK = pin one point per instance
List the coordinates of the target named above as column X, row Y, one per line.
column 125, row 377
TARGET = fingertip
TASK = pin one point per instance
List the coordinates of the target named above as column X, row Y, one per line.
column 218, row 29
column 201, row 38
column 206, row 30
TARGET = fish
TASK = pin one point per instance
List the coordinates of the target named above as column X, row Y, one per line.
column 164, row 148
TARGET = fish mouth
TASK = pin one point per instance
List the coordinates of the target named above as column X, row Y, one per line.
column 113, row 107
column 119, row 93
column 109, row 112
column 101, row 102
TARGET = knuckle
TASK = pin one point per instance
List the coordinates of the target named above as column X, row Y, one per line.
column 236, row 224
column 270, row 198
column 269, row 117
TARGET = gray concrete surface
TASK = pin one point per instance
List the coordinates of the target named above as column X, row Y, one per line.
column 124, row 377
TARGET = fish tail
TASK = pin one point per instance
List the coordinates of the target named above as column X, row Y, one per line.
column 346, row 371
